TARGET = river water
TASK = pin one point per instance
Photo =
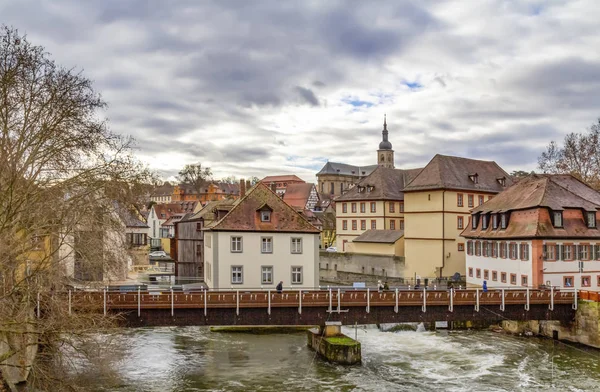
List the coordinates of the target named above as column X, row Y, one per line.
column 195, row 359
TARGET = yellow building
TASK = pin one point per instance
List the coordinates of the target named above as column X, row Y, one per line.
column 437, row 204
column 375, row 203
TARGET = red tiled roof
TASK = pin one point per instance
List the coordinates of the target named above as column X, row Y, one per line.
column 245, row 215
column 297, row 194
column 174, row 208
column 530, row 203
column 290, row 177
column 447, row 172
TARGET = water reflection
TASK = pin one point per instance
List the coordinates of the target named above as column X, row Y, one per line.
column 194, row 359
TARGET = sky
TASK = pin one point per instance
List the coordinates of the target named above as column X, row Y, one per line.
column 256, row 88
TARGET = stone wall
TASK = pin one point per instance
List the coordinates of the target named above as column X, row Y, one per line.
column 383, row 266
column 584, row 330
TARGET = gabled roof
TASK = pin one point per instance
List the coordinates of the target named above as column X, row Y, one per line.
column 174, row 219
column 380, row 236
column 128, row 217
column 244, row 216
column 386, row 183
column 447, row 172
column 346, row 170
column 174, row 208
column 556, row 192
column 207, row 212
column 297, row 195
column 288, row 177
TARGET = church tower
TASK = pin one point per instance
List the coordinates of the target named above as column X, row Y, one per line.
column 385, row 154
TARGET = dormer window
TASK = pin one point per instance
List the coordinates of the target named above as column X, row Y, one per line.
column 361, row 189
column 591, row 220
column 494, row 221
column 370, row 188
column 474, row 177
column 474, row 221
column 558, row 219
column 484, row 222
column 501, row 181
column 265, row 216
column 504, row 220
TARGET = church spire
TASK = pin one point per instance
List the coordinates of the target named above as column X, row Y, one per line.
column 384, row 122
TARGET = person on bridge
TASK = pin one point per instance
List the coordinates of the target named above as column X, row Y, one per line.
column 279, row 287
column 485, row 286
column 386, row 287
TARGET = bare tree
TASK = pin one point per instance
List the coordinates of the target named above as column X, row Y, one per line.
column 229, row 180
column 579, row 156
column 195, row 176
column 64, row 175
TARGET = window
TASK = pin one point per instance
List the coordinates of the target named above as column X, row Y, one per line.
column 503, row 277
column 401, row 206
column 362, row 208
column 198, row 226
column 266, row 245
column 584, row 253
column 474, row 221
column 484, row 249
column 296, row 245
column 478, row 273
column 524, row 280
column 373, row 207
column 495, row 276
column 237, row 274
column 586, row 281
column 567, row 252
column 513, row 251
column 486, row 274
column 344, row 207
column 354, row 224
column 481, row 200
column 132, row 239
column 568, row 281
column 344, row 225
column 494, row 249
column 296, row 275
column 236, row 244
column 373, row 224
column 401, row 225
column 199, row 249
column 392, row 224
column 265, row 216
column 503, row 220
column 494, row 221
column 513, row 279
column 470, row 248
column 363, row 224
column 459, row 199
column 524, row 252
column 477, row 248
column 266, row 275
column 392, row 207
column 459, row 222
column 484, row 221
column 461, row 247
column 470, row 201
column 557, row 219
column 353, row 207
column 549, row 252
column 331, row 188
column 470, row 272
column 591, row 220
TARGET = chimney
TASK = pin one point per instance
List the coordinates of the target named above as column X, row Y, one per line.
column 242, row 188
column 248, row 186
column 274, row 187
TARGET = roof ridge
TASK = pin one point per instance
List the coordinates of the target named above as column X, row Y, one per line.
column 573, row 193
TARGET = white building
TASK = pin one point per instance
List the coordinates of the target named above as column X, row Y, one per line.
column 541, row 231
column 259, row 243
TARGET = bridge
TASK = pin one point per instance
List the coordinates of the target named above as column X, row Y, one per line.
column 315, row 307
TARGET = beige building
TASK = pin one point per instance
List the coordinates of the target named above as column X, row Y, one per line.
column 375, row 203
column 437, row 204
column 379, row 242
column 259, row 243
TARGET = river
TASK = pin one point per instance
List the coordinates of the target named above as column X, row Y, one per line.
column 195, row 359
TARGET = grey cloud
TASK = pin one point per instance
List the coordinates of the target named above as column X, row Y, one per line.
column 307, row 95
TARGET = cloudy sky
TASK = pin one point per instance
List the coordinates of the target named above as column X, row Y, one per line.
column 252, row 88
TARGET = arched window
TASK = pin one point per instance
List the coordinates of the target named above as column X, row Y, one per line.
column 382, row 158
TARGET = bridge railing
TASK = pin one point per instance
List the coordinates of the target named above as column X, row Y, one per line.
column 333, row 299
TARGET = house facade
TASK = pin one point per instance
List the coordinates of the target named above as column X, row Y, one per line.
column 160, row 213
column 260, row 242
column 541, row 231
column 437, row 204
column 375, row 203
column 211, row 191
column 301, row 195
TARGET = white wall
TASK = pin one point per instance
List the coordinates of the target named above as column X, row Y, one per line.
column 555, row 271
column 251, row 259
column 518, row 267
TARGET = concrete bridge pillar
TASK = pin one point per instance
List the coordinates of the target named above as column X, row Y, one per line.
column 331, row 344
